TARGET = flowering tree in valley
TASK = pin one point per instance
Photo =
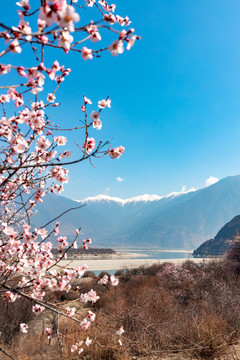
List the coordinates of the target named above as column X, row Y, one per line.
column 32, row 162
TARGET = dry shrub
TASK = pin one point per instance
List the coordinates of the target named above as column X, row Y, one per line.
column 37, row 347
column 191, row 311
column 11, row 316
column 203, row 335
column 233, row 257
column 105, row 346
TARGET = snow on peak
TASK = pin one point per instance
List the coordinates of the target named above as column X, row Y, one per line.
column 135, row 199
column 101, row 197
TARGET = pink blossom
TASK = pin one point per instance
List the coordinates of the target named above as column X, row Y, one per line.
column 86, row 100
column 60, row 174
column 88, row 341
column 42, row 232
column 77, row 347
column 120, row 331
column 23, row 328
column 10, row 296
column 123, row 21
column 70, row 311
column 51, row 98
column 4, row 69
column 35, row 90
column 37, row 309
column 85, row 324
column 60, row 140
column 116, row 152
column 84, row 298
column 65, row 40
column 114, row 280
column 75, row 246
column 86, row 53
column 19, row 101
column 97, row 123
column 46, row 16
column 89, row 145
column 116, row 48
column 53, row 70
column 107, row 7
column 43, row 38
column 15, row 47
column 48, row 332
column 24, row 3
column 7, row 230
column 4, row 98
column 67, row 154
column 21, row 71
column 93, row 31
column 67, row 17
column 62, row 240
column 12, row 93
column 131, row 41
column 90, row 3
column 95, row 115
column 122, row 35
column 103, row 280
column 103, row 103
column 92, row 295
column 91, row 316
column 39, row 194
column 74, row 348
column 110, row 18
column 24, row 28
column 43, row 143
column 95, row 37
column 85, row 246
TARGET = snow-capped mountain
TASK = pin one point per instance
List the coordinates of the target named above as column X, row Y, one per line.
column 176, row 221
column 136, row 199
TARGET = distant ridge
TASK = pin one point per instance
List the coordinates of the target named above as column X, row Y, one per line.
column 136, row 199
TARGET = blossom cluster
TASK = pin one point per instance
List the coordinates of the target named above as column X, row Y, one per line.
column 33, row 149
column 105, row 279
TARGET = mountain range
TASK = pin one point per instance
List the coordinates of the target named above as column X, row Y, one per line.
column 175, row 221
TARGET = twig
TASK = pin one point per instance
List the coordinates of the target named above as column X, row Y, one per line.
column 5, row 353
column 65, row 212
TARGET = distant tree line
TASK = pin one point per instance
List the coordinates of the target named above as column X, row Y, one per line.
column 89, row 251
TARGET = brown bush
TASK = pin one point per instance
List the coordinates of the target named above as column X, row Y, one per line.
column 11, row 316
column 190, row 310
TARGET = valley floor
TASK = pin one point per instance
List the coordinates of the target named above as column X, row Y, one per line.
column 116, row 263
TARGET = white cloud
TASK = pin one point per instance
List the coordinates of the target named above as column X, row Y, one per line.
column 211, row 180
column 107, row 190
column 119, row 179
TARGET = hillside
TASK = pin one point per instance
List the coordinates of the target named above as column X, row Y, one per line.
column 220, row 244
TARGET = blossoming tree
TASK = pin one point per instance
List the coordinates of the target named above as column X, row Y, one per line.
column 32, row 162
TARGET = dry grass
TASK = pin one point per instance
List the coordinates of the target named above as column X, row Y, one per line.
column 168, row 312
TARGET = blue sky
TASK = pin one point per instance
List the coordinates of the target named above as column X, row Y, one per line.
column 175, row 99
